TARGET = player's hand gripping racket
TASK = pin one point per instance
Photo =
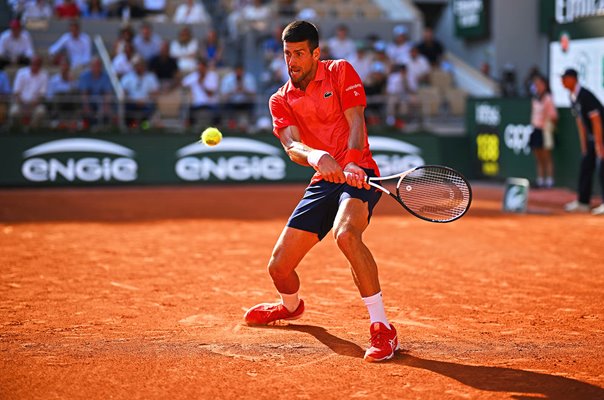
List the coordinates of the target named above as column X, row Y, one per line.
column 431, row 192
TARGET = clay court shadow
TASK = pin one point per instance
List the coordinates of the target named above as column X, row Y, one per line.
column 493, row 379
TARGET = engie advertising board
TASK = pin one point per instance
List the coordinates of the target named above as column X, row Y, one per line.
column 53, row 160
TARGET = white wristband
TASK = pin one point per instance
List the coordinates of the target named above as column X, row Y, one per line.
column 314, row 156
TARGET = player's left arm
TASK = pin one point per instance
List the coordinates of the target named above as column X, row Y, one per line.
column 596, row 123
column 355, row 175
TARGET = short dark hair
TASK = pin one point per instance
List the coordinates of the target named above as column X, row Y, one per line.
column 301, row 31
column 571, row 72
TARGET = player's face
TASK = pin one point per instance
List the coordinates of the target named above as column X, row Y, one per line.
column 301, row 62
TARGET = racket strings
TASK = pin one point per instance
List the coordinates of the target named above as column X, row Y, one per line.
column 435, row 193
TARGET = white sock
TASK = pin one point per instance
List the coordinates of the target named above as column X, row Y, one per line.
column 375, row 306
column 290, row 301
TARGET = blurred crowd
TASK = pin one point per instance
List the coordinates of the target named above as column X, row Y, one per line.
column 188, row 78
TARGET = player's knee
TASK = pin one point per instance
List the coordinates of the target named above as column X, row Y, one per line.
column 277, row 270
column 347, row 238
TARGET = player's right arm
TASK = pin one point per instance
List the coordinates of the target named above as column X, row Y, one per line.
column 301, row 154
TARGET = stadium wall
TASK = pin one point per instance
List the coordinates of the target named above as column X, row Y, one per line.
column 53, row 160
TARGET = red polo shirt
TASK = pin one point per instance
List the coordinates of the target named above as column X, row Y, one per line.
column 318, row 111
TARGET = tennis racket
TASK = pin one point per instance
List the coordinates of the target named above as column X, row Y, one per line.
column 431, row 192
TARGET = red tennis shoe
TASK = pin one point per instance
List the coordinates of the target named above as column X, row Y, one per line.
column 384, row 343
column 265, row 313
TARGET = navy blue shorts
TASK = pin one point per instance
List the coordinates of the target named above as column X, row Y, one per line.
column 536, row 139
column 317, row 210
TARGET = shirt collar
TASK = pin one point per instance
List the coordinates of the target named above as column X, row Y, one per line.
column 319, row 76
column 575, row 92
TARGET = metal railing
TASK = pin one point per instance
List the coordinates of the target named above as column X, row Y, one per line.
column 115, row 82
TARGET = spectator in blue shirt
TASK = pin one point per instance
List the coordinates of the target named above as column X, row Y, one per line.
column 60, row 93
column 96, row 91
column 141, row 88
column 5, row 91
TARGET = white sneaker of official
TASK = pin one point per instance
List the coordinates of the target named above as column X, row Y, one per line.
column 599, row 210
column 576, row 207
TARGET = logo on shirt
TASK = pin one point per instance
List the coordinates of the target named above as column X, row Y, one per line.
column 356, row 93
column 356, row 85
column 327, row 94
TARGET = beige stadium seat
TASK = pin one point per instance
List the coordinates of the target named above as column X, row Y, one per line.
column 346, row 12
column 430, row 100
column 372, row 12
column 441, row 79
column 456, row 100
column 169, row 106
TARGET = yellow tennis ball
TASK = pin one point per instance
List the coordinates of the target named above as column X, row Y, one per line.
column 211, row 136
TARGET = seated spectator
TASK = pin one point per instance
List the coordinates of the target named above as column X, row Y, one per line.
column 380, row 56
column 76, row 44
column 418, row 67
column 204, row 85
column 125, row 35
column 141, row 88
column 31, row 84
column 341, row 45
column 362, row 60
column 146, row 42
column 16, row 45
column 256, row 16
column 375, row 89
column 401, row 90
column 67, row 9
column 37, row 10
column 234, row 18
column 122, row 63
column 61, row 92
column 156, row 9
column 212, row 50
column 185, row 50
column 286, row 8
column 5, row 92
column 325, row 52
column 191, row 12
column 165, row 67
column 96, row 91
column 431, row 48
column 398, row 51
column 275, row 75
column 112, row 7
column 94, row 10
column 273, row 44
column 238, row 94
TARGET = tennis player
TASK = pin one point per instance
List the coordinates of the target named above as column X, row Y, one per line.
column 318, row 116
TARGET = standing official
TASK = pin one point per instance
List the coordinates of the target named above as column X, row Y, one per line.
column 588, row 112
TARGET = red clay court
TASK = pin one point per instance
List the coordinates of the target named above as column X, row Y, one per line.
column 140, row 292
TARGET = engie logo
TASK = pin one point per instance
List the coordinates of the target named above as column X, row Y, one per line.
column 197, row 162
column 516, row 138
column 406, row 156
column 116, row 163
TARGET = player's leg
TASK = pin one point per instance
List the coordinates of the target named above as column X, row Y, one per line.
column 308, row 224
column 351, row 221
column 290, row 249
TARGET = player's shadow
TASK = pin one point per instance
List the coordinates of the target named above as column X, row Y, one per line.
column 494, row 379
